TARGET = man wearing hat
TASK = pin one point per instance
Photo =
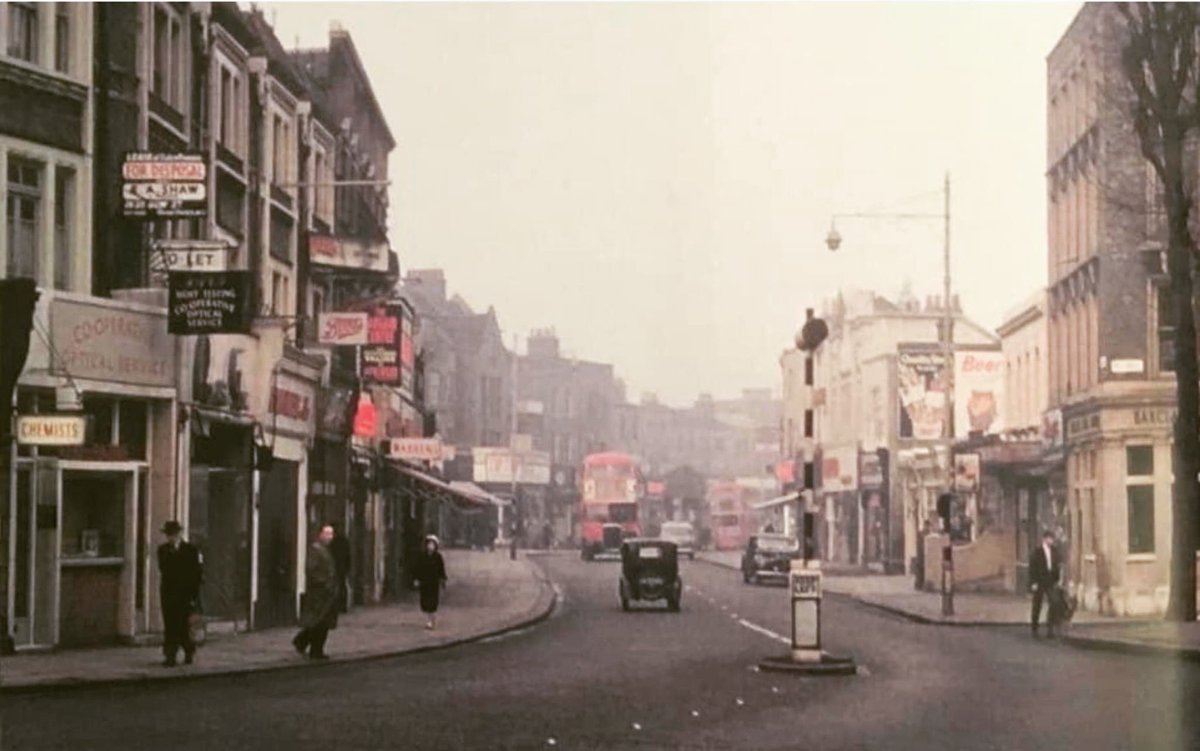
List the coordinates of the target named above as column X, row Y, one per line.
column 179, row 588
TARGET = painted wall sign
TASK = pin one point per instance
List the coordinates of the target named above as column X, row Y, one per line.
column 102, row 341
column 164, row 186
column 203, row 302
column 978, row 393
column 292, row 406
column 342, row 328
column 345, row 252
column 51, row 430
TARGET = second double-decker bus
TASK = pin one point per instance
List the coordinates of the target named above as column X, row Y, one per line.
column 730, row 514
column 610, row 488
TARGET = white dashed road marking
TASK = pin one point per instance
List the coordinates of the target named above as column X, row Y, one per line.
column 764, row 631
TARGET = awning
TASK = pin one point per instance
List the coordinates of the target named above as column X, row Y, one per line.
column 776, row 501
column 473, row 490
column 435, row 485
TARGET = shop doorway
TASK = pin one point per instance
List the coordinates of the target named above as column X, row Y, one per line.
column 74, row 568
column 276, row 602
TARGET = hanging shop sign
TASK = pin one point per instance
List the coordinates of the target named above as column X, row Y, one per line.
column 342, row 328
column 164, row 186
column 203, row 302
column 416, row 449
column 380, row 356
column 190, row 255
column 51, row 430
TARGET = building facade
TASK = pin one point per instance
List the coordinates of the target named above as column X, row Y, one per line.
column 1110, row 325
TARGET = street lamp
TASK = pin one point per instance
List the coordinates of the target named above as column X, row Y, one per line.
column 833, row 241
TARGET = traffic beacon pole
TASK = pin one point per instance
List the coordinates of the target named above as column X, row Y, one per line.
column 804, row 575
column 944, row 502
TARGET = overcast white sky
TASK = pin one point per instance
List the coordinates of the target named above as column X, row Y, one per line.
column 656, row 180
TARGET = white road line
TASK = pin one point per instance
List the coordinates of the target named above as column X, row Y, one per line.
column 764, row 631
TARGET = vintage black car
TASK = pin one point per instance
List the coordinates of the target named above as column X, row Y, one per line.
column 768, row 557
column 650, row 571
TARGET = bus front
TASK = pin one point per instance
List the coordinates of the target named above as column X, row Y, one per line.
column 608, row 499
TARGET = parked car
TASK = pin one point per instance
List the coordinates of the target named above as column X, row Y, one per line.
column 684, row 537
column 650, row 571
column 769, row 557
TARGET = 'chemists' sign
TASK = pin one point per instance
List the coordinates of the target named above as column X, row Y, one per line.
column 209, row 303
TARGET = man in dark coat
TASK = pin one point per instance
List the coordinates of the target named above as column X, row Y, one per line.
column 339, row 547
column 1044, row 572
column 319, row 612
column 179, row 588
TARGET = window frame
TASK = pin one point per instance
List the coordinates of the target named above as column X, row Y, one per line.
column 1138, row 484
column 36, row 194
column 33, row 36
column 173, row 94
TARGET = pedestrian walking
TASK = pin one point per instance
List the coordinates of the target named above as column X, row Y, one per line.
column 339, row 547
column 430, row 575
column 1044, row 573
column 319, row 610
column 180, row 575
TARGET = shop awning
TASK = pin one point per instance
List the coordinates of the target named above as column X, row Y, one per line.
column 444, row 488
column 473, row 490
column 776, row 501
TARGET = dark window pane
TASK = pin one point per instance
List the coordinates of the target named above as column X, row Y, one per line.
column 1141, row 518
column 1139, row 461
column 133, row 428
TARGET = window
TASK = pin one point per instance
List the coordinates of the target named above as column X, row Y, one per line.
column 1166, row 329
column 1139, row 491
column 166, row 78
column 23, row 31
column 23, row 211
column 281, row 143
column 62, row 38
column 64, row 198
column 231, row 114
column 277, row 284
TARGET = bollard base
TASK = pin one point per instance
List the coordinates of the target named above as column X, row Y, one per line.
column 827, row 665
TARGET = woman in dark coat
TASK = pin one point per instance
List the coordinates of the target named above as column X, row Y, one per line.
column 430, row 574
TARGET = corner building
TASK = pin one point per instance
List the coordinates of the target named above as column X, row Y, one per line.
column 1110, row 328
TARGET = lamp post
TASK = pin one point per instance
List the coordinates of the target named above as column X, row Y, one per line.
column 946, row 338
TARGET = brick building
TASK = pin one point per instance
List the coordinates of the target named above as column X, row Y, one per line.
column 1110, row 325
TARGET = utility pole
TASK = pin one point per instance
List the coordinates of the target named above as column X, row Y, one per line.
column 512, row 452
column 948, row 407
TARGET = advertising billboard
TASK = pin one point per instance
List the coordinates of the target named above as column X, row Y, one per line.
column 381, row 353
column 979, row 393
column 342, row 328
column 922, row 384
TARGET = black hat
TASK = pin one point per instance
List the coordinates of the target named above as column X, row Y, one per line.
column 172, row 528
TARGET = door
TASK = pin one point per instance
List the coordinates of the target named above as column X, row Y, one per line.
column 276, row 601
column 219, row 525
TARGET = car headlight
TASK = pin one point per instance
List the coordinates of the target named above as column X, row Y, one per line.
column 759, row 560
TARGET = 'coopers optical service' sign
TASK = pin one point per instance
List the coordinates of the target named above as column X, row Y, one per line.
column 164, row 186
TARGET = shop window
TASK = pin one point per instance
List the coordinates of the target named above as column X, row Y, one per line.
column 100, row 410
column 93, row 519
column 1141, row 518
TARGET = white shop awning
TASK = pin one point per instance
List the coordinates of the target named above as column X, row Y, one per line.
column 776, row 501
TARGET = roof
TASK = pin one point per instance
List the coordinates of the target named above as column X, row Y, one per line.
column 608, row 457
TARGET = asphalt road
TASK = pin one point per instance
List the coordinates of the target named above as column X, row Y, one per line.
column 593, row 677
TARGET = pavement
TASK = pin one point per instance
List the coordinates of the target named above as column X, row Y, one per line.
column 591, row 677
column 896, row 595
column 487, row 595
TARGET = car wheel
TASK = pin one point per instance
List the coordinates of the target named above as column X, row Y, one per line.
column 745, row 578
column 673, row 605
column 691, row 556
column 755, row 580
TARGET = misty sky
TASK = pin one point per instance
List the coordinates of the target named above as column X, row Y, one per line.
column 656, row 181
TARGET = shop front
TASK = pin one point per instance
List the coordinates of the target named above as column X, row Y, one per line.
column 80, row 514
column 843, row 515
column 873, row 499
column 1118, row 505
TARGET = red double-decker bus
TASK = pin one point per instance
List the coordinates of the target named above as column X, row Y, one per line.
column 610, row 486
